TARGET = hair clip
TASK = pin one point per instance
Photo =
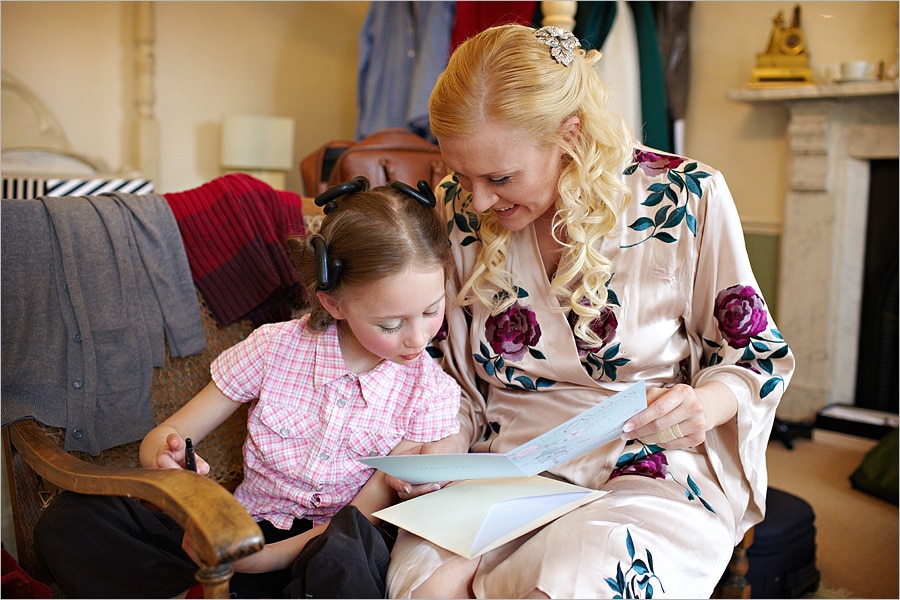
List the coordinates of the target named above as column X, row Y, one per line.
column 424, row 195
column 562, row 43
column 328, row 197
column 328, row 269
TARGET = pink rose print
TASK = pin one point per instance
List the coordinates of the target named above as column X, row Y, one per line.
column 604, row 326
column 655, row 164
column 741, row 314
column 652, row 465
column 511, row 332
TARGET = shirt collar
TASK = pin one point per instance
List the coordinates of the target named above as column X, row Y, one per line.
column 329, row 364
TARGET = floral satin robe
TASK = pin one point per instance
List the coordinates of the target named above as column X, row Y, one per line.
column 684, row 306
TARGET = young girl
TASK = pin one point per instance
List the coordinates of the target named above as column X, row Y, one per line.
column 350, row 378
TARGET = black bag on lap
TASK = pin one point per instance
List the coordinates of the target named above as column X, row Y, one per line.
column 348, row 560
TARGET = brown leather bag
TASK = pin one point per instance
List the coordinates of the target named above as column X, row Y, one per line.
column 316, row 166
column 393, row 154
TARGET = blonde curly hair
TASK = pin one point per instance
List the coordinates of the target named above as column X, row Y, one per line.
column 507, row 77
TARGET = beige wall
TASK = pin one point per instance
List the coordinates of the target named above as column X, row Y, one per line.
column 294, row 59
column 747, row 143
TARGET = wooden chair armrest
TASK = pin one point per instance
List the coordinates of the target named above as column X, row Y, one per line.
column 221, row 529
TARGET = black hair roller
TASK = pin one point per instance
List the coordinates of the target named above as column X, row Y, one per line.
column 328, row 197
column 424, row 195
column 328, row 269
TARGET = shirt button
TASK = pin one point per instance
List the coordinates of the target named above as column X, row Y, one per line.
column 285, row 431
column 77, row 434
column 78, row 384
column 373, row 453
column 342, row 402
column 77, row 336
column 324, row 455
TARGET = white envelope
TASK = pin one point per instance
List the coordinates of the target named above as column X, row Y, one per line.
column 475, row 516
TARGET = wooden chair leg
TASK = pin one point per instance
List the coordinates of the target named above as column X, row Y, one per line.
column 215, row 580
column 734, row 582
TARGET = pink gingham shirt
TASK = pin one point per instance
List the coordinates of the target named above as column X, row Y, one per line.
column 313, row 418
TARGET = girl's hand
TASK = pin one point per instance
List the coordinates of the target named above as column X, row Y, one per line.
column 172, row 455
column 447, row 445
column 163, row 447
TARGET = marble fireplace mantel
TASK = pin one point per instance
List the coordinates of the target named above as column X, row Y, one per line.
column 834, row 130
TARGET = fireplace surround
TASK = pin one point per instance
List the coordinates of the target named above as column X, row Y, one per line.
column 834, row 131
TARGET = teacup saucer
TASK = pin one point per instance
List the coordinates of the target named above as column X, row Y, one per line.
column 859, row 80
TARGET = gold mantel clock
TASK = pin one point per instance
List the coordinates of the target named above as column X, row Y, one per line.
column 785, row 61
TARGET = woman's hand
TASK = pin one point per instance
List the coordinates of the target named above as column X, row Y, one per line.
column 679, row 417
column 450, row 444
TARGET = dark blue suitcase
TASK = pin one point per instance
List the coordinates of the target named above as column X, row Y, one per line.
column 782, row 557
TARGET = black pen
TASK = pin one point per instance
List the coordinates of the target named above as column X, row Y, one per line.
column 189, row 463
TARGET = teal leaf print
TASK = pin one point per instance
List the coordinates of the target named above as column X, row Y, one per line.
column 692, row 485
column 682, row 180
column 769, row 386
column 637, row 580
column 535, row 353
column 642, row 223
column 466, row 221
column 758, row 356
column 650, row 461
column 611, row 296
column 605, row 365
column 692, row 492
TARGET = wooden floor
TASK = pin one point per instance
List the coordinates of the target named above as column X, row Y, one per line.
column 856, row 534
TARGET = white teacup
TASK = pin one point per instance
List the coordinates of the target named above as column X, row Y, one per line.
column 856, row 70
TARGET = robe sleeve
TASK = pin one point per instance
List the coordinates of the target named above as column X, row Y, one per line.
column 735, row 341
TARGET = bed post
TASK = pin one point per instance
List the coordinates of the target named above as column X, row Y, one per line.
column 559, row 14
column 146, row 142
